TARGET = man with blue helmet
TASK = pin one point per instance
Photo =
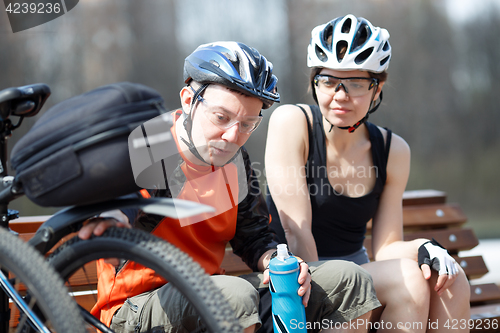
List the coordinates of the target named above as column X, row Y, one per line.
column 227, row 86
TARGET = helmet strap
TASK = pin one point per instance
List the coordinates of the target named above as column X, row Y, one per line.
column 188, row 124
column 331, row 127
column 352, row 128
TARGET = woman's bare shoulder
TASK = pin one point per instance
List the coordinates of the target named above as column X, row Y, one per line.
column 398, row 144
column 290, row 115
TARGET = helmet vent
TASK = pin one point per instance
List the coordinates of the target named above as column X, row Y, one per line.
column 386, row 46
column 383, row 61
column 363, row 56
column 346, row 27
column 215, row 63
column 327, row 37
column 250, row 55
column 362, row 35
column 235, row 61
column 341, row 49
column 320, row 54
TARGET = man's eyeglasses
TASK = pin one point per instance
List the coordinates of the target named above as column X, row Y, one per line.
column 354, row 86
column 224, row 119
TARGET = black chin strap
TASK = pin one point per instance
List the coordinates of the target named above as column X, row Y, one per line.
column 188, row 124
column 362, row 121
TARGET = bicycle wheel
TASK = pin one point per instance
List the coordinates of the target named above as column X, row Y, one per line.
column 38, row 288
column 165, row 259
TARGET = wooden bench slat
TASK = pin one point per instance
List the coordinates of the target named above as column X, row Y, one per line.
column 26, row 236
column 430, row 216
column 453, row 240
column 486, row 318
column 433, row 216
column 423, row 197
column 474, row 266
column 480, row 293
column 27, row 224
column 84, row 277
column 86, row 301
column 485, row 311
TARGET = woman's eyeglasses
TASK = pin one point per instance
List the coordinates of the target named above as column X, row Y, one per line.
column 353, row 86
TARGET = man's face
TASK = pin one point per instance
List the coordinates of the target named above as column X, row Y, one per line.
column 219, row 120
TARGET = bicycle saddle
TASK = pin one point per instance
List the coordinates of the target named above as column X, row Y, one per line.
column 25, row 101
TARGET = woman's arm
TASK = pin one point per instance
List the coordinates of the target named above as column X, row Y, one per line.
column 286, row 154
column 387, row 229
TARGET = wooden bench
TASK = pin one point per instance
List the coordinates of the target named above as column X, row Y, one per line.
column 426, row 214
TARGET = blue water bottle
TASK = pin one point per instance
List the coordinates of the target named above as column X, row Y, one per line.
column 288, row 312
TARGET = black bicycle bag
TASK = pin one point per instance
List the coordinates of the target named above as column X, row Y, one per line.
column 77, row 152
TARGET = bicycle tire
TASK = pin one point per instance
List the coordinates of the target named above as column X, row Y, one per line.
column 167, row 260
column 32, row 278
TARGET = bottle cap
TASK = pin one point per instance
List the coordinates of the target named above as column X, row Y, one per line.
column 282, row 252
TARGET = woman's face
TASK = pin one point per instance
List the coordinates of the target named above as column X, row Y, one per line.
column 340, row 108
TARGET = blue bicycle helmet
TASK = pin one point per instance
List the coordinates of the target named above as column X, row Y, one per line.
column 234, row 65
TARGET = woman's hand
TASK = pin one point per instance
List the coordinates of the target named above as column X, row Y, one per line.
column 431, row 255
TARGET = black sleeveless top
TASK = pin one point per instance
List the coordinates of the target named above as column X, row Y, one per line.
column 338, row 222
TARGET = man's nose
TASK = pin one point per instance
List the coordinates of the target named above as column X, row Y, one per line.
column 231, row 133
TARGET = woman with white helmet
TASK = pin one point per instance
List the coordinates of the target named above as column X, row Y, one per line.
column 337, row 172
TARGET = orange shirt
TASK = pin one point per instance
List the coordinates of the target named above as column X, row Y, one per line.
column 203, row 237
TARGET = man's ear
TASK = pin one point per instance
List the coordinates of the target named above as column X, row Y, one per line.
column 186, row 95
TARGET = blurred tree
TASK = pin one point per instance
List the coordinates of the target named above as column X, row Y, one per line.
column 442, row 95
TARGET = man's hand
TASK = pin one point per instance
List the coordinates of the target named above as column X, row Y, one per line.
column 431, row 255
column 304, row 281
column 98, row 225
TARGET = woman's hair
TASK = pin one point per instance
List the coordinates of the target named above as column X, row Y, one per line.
column 382, row 77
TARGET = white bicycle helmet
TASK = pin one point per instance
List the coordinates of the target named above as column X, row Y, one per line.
column 349, row 43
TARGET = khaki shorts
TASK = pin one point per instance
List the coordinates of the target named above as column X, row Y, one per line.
column 166, row 310
column 341, row 291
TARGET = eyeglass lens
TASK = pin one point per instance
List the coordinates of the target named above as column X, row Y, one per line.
column 355, row 86
column 225, row 120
